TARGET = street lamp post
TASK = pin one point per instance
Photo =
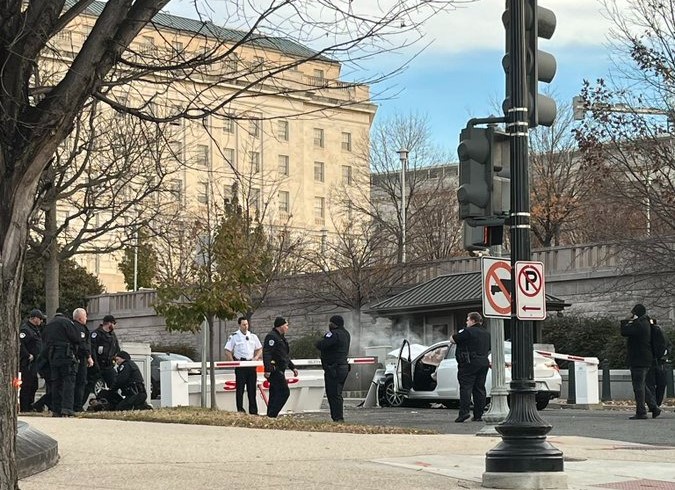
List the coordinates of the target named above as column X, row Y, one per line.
column 403, row 155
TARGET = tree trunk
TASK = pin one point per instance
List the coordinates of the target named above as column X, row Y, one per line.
column 212, row 372
column 10, row 291
column 51, row 264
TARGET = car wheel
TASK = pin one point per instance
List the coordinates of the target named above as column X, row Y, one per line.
column 392, row 398
column 542, row 403
column 100, row 385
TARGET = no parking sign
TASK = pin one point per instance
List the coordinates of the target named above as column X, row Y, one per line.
column 530, row 290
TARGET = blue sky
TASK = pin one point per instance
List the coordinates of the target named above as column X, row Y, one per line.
column 460, row 75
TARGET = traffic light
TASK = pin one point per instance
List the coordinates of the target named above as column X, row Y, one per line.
column 478, row 238
column 540, row 66
column 484, row 169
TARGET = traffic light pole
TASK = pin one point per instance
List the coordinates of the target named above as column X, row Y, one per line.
column 524, row 448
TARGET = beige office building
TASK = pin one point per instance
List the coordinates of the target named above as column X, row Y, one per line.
column 293, row 148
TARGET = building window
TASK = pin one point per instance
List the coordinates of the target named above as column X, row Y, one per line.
column 255, row 162
column 203, row 192
column 347, row 174
column 282, row 130
column 318, row 137
column 258, row 62
column 254, row 199
column 228, row 125
column 176, row 150
column 318, row 172
column 176, row 189
column 178, row 47
column 318, row 73
column 148, row 45
column 347, row 141
column 284, row 201
column 284, row 165
column 202, row 157
column 230, row 158
column 231, row 64
column 319, row 209
column 255, row 125
column 227, row 193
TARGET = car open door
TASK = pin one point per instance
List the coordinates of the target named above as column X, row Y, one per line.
column 403, row 374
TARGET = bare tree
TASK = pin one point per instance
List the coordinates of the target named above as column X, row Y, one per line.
column 627, row 140
column 107, row 64
column 432, row 229
column 351, row 267
column 111, row 178
column 560, row 183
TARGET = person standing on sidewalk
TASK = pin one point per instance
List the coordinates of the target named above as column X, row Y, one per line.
column 83, row 356
column 61, row 340
column 244, row 346
column 639, row 356
column 473, row 347
column 334, row 347
column 277, row 358
column 30, row 341
column 657, row 375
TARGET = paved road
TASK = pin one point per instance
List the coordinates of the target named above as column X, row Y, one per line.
column 603, row 424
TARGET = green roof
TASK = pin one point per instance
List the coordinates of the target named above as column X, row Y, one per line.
column 208, row 28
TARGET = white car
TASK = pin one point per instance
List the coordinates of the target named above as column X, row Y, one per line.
column 420, row 374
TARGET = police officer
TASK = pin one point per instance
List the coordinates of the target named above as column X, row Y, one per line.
column 61, row 340
column 244, row 346
column 129, row 381
column 334, row 347
column 104, row 346
column 473, row 347
column 30, row 346
column 83, row 356
column 276, row 358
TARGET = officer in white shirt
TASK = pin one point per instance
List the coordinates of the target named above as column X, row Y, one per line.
column 244, row 346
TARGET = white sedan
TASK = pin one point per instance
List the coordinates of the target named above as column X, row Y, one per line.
column 420, row 374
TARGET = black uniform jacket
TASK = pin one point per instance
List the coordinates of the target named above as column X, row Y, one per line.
column 639, row 344
column 276, row 354
column 30, row 343
column 334, row 347
column 104, row 346
column 129, row 379
column 61, row 338
column 473, row 346
column 84, row 350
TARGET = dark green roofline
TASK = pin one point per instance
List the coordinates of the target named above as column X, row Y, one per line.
column 208, row 28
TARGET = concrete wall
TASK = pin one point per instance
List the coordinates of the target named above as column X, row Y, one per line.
column 589, row 277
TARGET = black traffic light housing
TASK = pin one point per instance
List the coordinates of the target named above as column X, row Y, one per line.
column 484, row 170
column 541, row 66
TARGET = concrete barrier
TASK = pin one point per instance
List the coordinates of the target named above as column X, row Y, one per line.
column 622, row 389
column 181, row 385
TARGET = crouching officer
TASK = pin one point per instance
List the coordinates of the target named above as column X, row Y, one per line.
column 276, row 358
column 130, row 383
column 334, row 347
column 61, row 341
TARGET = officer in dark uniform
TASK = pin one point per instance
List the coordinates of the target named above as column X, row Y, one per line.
column 83, row 356
column 130, row 382
column 473, row 347
column 30, row 346
column 276, row 358
column 334, row 347
column 61, row 340
column 104, row 346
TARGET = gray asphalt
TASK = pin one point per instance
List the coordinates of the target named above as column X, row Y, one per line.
column 602, row 424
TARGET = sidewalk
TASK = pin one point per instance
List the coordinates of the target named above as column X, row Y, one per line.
column 138, row 455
